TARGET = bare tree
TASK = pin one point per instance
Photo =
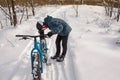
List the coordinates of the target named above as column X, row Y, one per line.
column 82, row 1
column 24, row 10
column 75, row 6
column 108, row 7
column 27, row 12
column 118, row 13
column 76, row 10
column 60, row 2
column 7, row 12
column 31, row 2
column 10, row 14
column 14, row 13
column 22, row 15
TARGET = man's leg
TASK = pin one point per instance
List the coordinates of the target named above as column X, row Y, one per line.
column 58, row 48
column 64, row 45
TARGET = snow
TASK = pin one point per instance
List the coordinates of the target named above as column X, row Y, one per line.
column 92, row 50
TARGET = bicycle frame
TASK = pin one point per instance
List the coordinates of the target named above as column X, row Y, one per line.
column 41, row 48
column 37, row 46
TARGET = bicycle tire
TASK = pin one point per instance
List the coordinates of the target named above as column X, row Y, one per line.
column 36, row 67
column 44, row 47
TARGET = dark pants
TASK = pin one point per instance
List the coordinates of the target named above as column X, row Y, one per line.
column 64, row 40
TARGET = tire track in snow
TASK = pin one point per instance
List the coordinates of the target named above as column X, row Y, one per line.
column 21, row 62
column 54, row 71
column 58, row 68
column 24, row 70
column 70, row 60
column 62, row 71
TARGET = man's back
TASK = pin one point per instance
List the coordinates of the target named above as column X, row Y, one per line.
column 56, row 24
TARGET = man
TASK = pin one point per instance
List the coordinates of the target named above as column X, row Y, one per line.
column 60, row 27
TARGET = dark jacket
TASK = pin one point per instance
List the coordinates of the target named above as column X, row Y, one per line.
column 57, row 25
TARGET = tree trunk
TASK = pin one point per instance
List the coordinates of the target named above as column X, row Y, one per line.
column 10, row 14
column 118, row 14
column 22, row 16
column 27, row 13
column 14, row 13
column 32, row 6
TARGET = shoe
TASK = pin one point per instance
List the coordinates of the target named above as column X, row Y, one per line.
column 54, row 57
column 60, row 59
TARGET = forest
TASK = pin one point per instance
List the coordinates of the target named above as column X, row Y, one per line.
column 11, row 7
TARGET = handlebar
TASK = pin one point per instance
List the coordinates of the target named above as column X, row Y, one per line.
column 32, row 36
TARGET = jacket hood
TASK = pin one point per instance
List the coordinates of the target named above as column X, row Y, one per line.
column 47, row 19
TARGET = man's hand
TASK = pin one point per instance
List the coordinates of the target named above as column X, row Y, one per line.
column 44, row 27
column 49, row 34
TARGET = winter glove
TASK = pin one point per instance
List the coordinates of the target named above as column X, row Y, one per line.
column 39, row 26
column 50, row 34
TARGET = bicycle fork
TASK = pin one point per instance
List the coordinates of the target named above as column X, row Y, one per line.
column 39, row 52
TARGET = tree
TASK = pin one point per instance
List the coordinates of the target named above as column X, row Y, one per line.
column 14, row 13
column 10, row 14
column 118, row 13
column 75, row 6
column 31, row 2
column 110, row 5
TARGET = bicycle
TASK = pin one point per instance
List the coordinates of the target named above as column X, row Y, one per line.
column 38, row 54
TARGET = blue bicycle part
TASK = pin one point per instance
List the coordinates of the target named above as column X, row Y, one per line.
column 37, row 54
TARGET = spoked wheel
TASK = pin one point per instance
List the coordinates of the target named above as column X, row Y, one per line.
column 36, row 67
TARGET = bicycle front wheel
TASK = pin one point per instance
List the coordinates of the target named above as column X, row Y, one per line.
column 36, row 67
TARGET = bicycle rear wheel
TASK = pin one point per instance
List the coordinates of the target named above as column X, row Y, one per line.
column 44, row 50
column 36, row 67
